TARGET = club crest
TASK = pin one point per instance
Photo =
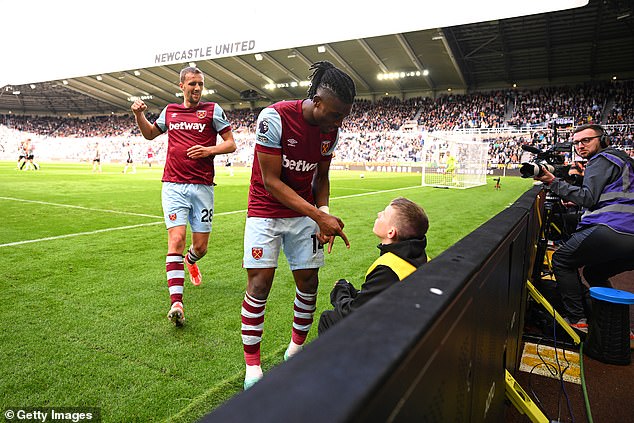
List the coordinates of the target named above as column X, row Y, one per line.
column 172, row 216
column 325, row 146
column 257, row 252
column 201, row 114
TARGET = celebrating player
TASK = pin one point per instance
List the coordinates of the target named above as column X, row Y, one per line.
column 288, row 204
column 188, row 177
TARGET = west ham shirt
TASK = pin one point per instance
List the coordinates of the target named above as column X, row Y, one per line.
column 187, row 127
column 282, row 130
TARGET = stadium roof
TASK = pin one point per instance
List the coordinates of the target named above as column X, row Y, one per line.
column 587, row 43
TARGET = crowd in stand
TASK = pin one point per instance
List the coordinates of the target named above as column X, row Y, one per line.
column 386, row 147
column 386, row 114
column 623, row 110
column 390, row 130
column 476, row 110
column 584, row 103
column 98, row 126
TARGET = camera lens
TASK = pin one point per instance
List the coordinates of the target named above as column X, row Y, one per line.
column 529, row 170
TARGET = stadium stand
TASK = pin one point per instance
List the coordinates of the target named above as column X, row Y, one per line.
column 382, row 131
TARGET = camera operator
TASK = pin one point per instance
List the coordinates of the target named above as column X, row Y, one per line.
column 603, row 243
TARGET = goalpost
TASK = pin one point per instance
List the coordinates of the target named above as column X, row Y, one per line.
column 453, row 159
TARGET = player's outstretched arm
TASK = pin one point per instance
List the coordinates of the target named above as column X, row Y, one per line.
column 148, row 130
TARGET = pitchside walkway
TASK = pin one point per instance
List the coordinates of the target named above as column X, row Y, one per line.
column 610, row 387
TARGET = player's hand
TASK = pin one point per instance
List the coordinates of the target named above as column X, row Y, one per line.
column 198, row 152
column 138, row 106
column 330, row 240
column 330, row 227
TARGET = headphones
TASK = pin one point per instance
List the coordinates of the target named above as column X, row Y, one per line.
column 604, row 141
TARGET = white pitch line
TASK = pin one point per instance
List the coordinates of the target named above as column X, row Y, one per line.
column 355, row 189
column 46, row 203
column 120, row 228
column 145, row 215
column 374, row 192
column 337, row 198
column 230, row 212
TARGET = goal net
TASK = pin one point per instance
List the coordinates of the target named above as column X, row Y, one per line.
column 454, row 160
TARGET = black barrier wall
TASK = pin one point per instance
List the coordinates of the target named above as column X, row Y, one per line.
column 431, row 349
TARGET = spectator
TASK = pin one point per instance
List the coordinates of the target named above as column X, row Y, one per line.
column 401, row 229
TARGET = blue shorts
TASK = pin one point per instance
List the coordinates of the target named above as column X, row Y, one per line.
column 264, row 237
column 193, row 203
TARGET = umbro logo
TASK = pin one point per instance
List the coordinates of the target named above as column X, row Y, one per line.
column 292, row 142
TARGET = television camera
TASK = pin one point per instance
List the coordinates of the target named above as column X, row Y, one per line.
column 551, row 160
column 559, row 220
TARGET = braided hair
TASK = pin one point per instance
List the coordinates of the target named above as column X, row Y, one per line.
column 325, row 75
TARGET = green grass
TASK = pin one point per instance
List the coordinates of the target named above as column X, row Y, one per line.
column 84, row 309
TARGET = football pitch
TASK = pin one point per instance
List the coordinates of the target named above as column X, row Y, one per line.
column 82, row 266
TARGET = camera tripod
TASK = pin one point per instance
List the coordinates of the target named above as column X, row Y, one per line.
column 543, row 287
column 554, row 227
column 543, row 265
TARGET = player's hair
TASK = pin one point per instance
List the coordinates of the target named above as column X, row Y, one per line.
column 412, row 221
column 189, row 69
column 326, row 76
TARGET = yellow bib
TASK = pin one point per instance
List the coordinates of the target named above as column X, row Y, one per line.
column 399, row 266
